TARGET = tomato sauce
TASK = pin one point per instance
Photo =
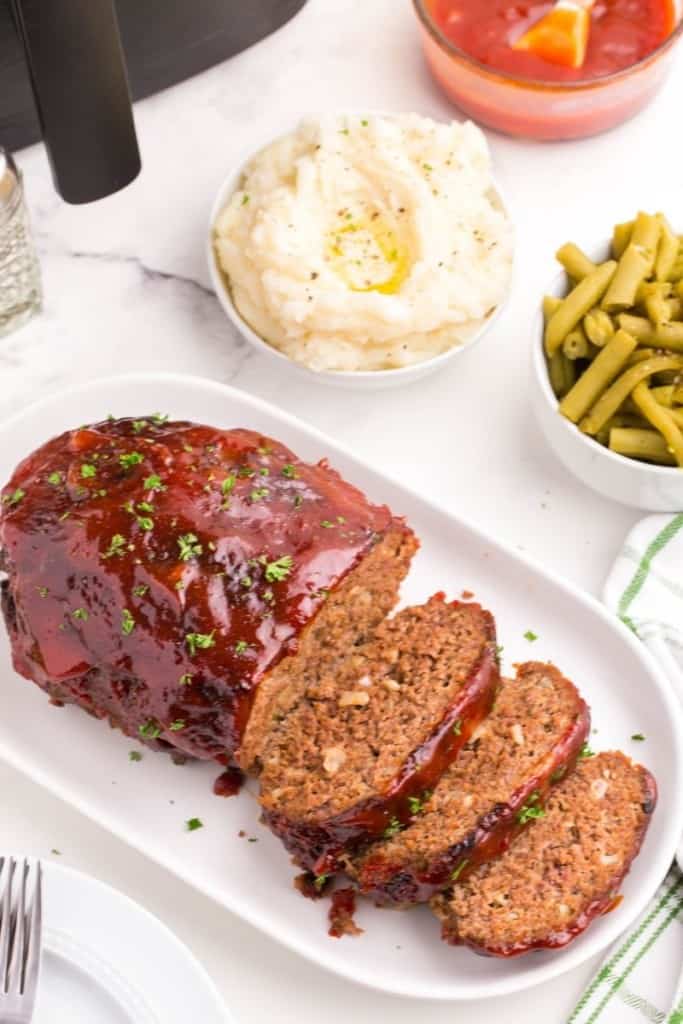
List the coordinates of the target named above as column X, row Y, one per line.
column 623, row 32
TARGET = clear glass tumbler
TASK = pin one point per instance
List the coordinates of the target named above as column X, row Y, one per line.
column 20, row 288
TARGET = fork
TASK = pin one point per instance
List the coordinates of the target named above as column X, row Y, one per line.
column 20, row 939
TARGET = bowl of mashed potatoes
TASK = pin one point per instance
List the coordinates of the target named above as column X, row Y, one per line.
column 367, row 250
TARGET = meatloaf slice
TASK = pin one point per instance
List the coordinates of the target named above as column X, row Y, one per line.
column 531, row 738
column 563, row 871
column 158, row 573
column 350, row 750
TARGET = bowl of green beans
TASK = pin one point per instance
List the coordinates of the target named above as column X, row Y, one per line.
column 608, row 364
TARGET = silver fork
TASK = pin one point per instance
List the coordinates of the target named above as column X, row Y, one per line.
column 20, row 939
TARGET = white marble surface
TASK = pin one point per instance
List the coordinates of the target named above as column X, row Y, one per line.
column 126, row 287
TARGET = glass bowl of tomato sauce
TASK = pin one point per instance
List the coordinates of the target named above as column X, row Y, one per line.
column 469, row 45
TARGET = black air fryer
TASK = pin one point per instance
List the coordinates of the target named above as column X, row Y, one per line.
column 66, row 66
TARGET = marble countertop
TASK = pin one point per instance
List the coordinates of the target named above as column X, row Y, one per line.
column 126, row 287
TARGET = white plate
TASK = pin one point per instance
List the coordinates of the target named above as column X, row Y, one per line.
column 108, row 961
column 146, row 803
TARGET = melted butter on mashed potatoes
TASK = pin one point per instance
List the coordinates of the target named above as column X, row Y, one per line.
column 367, row 243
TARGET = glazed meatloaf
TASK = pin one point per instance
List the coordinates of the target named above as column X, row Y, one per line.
column 158, row 572
column 565, row 868
column 532, row 737
column 349, row 751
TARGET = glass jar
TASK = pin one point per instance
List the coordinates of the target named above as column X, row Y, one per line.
column 20, row 288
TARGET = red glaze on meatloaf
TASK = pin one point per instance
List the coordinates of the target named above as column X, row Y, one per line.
column 350, row 751
column 563, row 871
column 531, row 739
column 157, row 572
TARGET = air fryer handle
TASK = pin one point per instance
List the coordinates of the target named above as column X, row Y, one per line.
column 78, row 75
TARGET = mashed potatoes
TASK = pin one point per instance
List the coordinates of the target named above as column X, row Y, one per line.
column 367, row 243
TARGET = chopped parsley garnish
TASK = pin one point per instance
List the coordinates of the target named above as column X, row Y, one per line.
column 417, row 803
column 158, row 419
column 241, row 646
column 140, row 590
column 428, row 167
column 638, row 737
column 135, row 755
column 55, row 479
column 130, row 459
column 43, row 591
column 189, row 547
column 185, row 679
column 145, row 523
column 81, row 613
column 193, row 824
column 199, row 641
column 117, row 546
column 127, row 622
column 365, row 122
column 151, row 730
column 558, row 774
column 268, row 596
column 245, row 471
column 455, row 875
column 245, row 199
column 326, row 524
column 139, row 426
column 289, row 471
column 144, row 506
column 258, row 493
column 280, row 569
column 228, row 484
column 531, row 637
column 298, row 501
column 457, row 727
column 586, row 752
column 177, row 725
column 531, row 810
column 264, row 471
column 246, row 582
column 15, row 498
column 153, row 483
column 320, row 882
column 392, row 829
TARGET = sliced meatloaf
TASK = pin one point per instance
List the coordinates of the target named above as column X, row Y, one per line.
column 565, row 868
column 159, row 573
column 532, row 737
column 349, row 750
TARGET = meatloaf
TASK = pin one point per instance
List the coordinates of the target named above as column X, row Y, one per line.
column 349, row 751
column 565, row 868
column 158, row 573
column 530, row 740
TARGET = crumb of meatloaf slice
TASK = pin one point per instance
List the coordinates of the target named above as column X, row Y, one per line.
column 344, row 761
column 349, row 616
column 564, row 869
column 531, row 738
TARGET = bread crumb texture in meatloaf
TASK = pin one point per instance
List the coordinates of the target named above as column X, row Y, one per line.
column 352, row 731
column 529, row 741
column 563, row 870
column 348, row 617
column 158, row 571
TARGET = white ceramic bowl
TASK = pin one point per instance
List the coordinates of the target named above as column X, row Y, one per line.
column 363, row 380
column 655, row 488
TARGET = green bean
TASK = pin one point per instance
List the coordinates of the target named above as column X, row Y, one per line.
column 678, row 288
column 632, row 421
column 657, row 309
column 670, row 336
column 677, row 396
column 633, row 268
column 575, row 345
column 668, row 250
column 575, row 261
column 551, row 304
column 676, row 274
column 621, row 238
column 677, row 416
column 598, row 326
column 638, row 327
column 580, row 301
column 664, row 395
column 675, row 308
column 562, row 373
column 647, row 231
column 647, row 445
column 597, row 377
column 660, row 419
column 640, row 355
column 615, row 395
column 648, row 288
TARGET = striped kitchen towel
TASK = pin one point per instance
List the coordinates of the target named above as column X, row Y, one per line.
column 640, row 979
